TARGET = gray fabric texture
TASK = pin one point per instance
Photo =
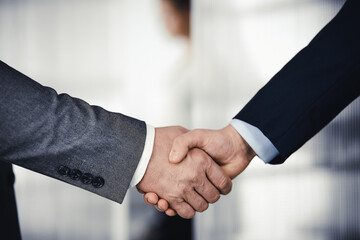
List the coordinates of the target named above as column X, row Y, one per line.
column 41, row 130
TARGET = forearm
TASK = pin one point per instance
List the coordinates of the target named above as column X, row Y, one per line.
column 43, row 131
column 312, row 88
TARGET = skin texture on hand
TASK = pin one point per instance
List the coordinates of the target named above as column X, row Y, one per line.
column 187, row 186
column 225, row 146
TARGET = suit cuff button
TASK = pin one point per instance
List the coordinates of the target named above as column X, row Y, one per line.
column 75, row 174
column 98, row 182
column 86, row 178
column 63, row 171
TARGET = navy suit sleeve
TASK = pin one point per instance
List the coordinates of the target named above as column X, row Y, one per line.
column 315, row 86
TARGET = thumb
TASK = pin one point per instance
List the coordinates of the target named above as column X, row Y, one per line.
column 183, row 143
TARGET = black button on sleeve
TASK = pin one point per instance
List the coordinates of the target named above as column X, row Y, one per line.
column 98, row 182
column 63, row 171
column 87, row 178
column 75, row 174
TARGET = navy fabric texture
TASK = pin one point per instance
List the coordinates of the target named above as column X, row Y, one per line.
column 315, row 86
column 9, row 223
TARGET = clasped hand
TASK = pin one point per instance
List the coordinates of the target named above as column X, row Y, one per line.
column 190, row 169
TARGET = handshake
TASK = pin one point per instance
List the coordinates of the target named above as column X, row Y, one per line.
column 190, row 169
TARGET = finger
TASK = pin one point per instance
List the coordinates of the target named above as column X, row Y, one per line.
column 183, row 143
column 219, row 178
column 151, row 199
column 170, row 212
column 183, row 209
column 196, row 201
column 208, row 191
column 159, row 209
column 163, row 204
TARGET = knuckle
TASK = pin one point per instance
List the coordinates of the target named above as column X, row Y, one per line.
column 177, row 206
column 202, row 185
column 215, row 197
column 175, row 202
column 197, row 180
column 201, row 159
column 225, row 184
column 208, row 164
column 228, row 188
column 182, row 188
column 182, row 129
column 190, row 214
column 196, row 154
column 197, row 131
column 194, row 179
column 187, row 212
column 203, row 206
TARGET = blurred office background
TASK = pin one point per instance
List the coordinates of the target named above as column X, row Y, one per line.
column 120, row 55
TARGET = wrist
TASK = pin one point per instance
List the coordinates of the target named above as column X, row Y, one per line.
column 145, row 157
column 239, row 143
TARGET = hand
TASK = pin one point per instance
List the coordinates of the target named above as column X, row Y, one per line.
column 225, row 146
column 185, row 186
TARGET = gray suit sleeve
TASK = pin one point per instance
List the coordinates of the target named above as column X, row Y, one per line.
column 66, row 138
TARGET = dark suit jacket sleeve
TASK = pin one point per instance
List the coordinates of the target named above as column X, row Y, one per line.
column 312, row 88
column 66, row 138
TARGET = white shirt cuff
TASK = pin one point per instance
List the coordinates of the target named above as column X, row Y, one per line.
column 261, row 145
column 145, row 157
